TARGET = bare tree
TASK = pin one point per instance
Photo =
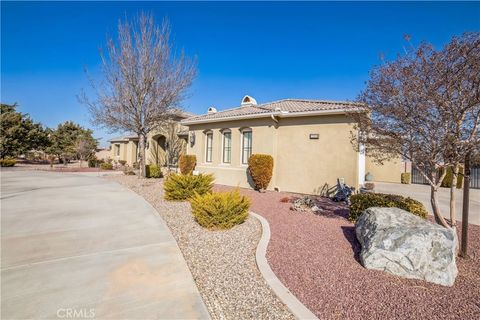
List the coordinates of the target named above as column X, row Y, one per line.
column 85, row 146
column 144, row 81
column 174, row 145
column 424, row 107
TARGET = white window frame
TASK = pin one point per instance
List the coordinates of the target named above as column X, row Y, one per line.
column 242, row 138
column 207, row 134
column 226, row 131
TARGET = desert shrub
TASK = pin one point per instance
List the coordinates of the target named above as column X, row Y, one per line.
column 128, row 171
column 136, row 165
column 183, row 187
column 106, row 166
column 153, row 171
column 93, row 162
column 447, row 181
column 405, row 177
column 187, row 163
column 220, row 210
column 260, row 167
column 7, row 162
column 361, row 202
column 122, row 162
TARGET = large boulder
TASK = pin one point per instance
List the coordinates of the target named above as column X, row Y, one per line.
column 405, row 245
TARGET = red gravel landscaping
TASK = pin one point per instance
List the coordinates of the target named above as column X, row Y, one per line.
column 315, row 256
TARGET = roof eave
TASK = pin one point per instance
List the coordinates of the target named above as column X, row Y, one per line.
column 280, row 114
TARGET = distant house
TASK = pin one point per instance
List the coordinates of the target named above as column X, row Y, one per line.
column 308, row 139
column 125, row 148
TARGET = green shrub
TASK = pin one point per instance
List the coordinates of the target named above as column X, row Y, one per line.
column 260, row 167
column 187, row 163
column 183, row 187
column 361, row 202
column 7, row 162
column 92, row 162
column 405, row 177
column 153, row 171
column 122, row 162
column 221, row 210
column 106, row 166
column 447, row 181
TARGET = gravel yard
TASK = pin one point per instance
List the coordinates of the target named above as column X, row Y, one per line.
column 222, row 262
column 315, row 257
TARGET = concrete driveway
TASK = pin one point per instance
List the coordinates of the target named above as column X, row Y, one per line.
column 83, row 247
column 422, row 193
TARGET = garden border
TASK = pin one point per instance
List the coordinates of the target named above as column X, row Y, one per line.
column 292, row 303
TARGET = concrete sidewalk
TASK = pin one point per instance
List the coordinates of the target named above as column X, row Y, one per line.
column 75, row 246
column 421, row 193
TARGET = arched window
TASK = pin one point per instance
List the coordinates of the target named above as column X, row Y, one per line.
column 246, row 145
column 208, row 146
column 227, row 146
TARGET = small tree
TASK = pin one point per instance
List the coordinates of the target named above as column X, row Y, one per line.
column 143, row 81
column 424, row 107
column 85, row 146
column 174, row 145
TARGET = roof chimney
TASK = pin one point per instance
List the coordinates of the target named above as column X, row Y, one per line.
column 248, row 101
column 212, row 110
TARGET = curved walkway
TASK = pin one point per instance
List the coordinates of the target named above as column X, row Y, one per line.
column 84, row 247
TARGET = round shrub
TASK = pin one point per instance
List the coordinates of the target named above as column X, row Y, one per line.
column 187, row 163
column 260, row 167
column 405, row 177
column 122, row 162
column 7, row 162
column 448, row 180
column 183, row 187
column 106, row 166
column 153, row 171
column 222, row 210
column 363, row 201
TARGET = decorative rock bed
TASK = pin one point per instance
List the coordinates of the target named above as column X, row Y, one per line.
column 222, row 262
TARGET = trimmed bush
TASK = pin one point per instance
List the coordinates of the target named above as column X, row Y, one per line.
column 260, row 167
column 92, row 162
column 220, row 210
column 153, row 171
column 183, row 187
column 405, row 177
column 122, row 162
column 187, row 163
column 128, row 171
column 106, row 166
column 361, row 202
column 7, row 162
column 447, row 181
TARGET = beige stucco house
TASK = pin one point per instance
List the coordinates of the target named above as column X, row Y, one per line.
column 160, row 143
column 308, row 139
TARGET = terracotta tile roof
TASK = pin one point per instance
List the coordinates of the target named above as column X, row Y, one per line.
column 281, row 107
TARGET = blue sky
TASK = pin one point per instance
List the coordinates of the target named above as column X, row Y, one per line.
column 267, row 50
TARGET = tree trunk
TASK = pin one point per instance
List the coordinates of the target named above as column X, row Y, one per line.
column 435, row 207
column 453, row 219
column 141, row 146
column 466, row 200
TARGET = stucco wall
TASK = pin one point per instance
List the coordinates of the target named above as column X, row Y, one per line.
column 390, row 171
column 301, row 164
column 313, row 165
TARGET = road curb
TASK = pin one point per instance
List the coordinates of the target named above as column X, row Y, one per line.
column 292, row 303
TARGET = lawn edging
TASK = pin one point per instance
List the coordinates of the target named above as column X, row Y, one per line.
column 292, row 303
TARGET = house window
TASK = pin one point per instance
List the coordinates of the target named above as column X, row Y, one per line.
column 246, row 145
column 208, row 154
column 117, row 150
column 227, row 147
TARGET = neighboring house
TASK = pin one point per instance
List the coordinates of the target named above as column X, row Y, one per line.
column 308, row 139
column 163, row 145
column 102, row 153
